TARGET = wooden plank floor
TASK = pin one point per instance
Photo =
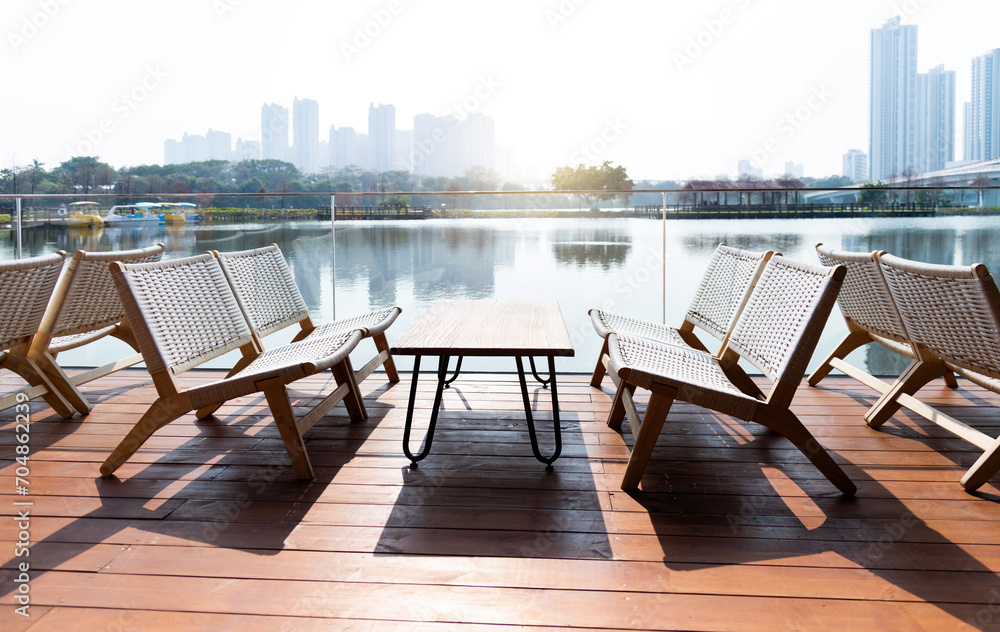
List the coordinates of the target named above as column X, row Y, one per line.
column 207, row 529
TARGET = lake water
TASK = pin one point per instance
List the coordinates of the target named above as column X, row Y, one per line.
column 614, row 264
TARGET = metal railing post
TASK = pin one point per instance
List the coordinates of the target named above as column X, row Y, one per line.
column 17, row 247
column 663, row 258
column 333, row 256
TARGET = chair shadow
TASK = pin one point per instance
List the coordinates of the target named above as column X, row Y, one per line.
column 245, row 498
column 755, row 514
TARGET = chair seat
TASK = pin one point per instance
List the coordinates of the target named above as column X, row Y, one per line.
column 372, row 323
column 72, row 341
column 289, row 363
column 607, row 322
column 697, row 376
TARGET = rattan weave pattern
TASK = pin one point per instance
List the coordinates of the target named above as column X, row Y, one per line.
column 954, row 311
column 289, row 363
column 373, row 323
column 725, row 284
column 865, row 299
column 265, row 287
column 183, row 311
column 698, row 376
column 91, row 302
column 782, row 322
column 25, row 288
column 607, row 322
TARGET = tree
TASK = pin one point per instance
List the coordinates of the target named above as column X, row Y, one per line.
column 872, row 194
column 598, row 183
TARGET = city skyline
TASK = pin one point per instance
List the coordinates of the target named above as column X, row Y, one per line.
column 671, row 92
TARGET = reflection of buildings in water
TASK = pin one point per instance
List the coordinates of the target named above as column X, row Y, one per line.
column 982, row 246
column 778, row 242
column 586, row 247
column 307, row 257
column 441, row 260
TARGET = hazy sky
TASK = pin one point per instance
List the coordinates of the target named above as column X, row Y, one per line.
column 669, row 89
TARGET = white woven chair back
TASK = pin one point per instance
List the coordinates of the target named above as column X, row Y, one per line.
column 954, row 311
column 90, row 301
column 724, row 289
column 864, row 298
column 182, row 312
column 265, row 287
column 781, row 324
column 25, row 288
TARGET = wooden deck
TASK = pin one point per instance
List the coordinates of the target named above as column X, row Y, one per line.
column 207, row 529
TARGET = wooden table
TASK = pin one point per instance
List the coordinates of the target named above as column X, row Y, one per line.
column 486, row 328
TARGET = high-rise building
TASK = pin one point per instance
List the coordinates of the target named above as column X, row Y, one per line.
column 795, row 169
column 856, row 165
column 746, row 169
column 892, row 99
column 220, row 145
column 343, row 147
column 273, row 132
column 432, row 145
column 173, row 153
column 476, row 143
column 935, row 119
column 247, row 150
column 983, row 121
column 382, row 134
column 305, row 129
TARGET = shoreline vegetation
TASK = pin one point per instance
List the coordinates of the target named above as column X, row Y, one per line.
column 50, row 216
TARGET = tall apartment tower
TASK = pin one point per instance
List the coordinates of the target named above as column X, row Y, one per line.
column 982, row 131
column 856, row 164
column 892, row 100
column 382, row 135
column 273, row 132
column 305, row 144
column 935, row 119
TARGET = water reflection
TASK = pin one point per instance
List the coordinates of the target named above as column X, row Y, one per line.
column 585, row 247
column 581, row 262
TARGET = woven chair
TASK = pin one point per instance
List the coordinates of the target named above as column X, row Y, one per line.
column 84, row 309
column 183, row 312
column 25, row 288
column 725, row 287
column 777, row 332
column 261, row 279
column 952, row 314
column 870, row 314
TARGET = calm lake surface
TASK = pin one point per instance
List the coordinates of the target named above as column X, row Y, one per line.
column 614, row 264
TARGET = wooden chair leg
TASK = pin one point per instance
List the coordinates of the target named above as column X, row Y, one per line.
column 785, row 422
column 617, row 413
column 63, row 384
column 390, row 365
column 284, row 418
column 35, row 376
column 851, row 341
column 645, row 440
column 600, row 369
column 983, row 469
column 162, row 412
column 913, row 378
column 950, row 380
column 343, row 373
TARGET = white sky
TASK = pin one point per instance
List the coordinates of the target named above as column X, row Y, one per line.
column 554, row 74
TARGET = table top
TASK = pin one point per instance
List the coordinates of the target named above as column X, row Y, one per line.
column 489, row 327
